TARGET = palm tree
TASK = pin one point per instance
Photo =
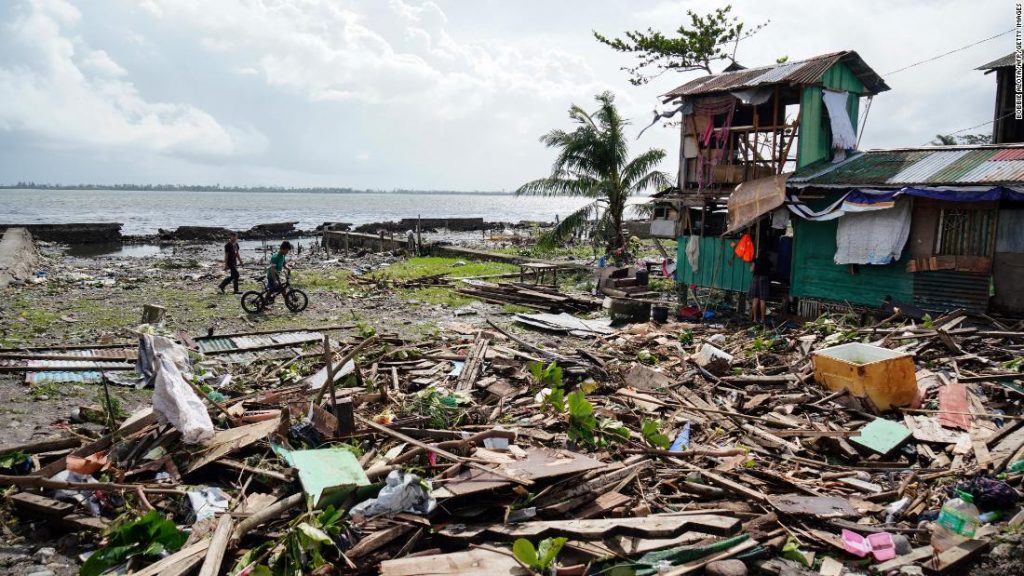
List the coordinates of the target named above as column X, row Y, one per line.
column 593, row 162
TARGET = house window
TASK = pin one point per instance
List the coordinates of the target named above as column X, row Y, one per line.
column 966, row 232
column 661, row 211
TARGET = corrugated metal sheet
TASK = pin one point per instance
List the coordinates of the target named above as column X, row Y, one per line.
column 945, row 290
column 1002, row 171
column 1012, row 154
column 237, row 343
column 1008, row 60
column 61, row 365
column 927, row 166
column 57, row 377
column 923, row 169
column 801, row 72
column 718, row 265
column 125, row 354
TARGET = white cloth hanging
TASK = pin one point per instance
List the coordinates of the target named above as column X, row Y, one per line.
column 693, row 252
column 843, row 136
column 876, row 237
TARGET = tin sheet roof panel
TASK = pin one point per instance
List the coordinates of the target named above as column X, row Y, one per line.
column 929, row 166
column 922, row 170
column 806, row 71
column 59, row 377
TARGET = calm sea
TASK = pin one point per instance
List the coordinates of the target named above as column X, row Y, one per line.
column 143, row 212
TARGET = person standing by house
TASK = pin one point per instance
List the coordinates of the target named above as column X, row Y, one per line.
column 760, row 285
column 232, row 260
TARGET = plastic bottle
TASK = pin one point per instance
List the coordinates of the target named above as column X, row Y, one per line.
column 1017, row 466
column 957, row 522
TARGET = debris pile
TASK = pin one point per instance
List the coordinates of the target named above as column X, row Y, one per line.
column 654, row 449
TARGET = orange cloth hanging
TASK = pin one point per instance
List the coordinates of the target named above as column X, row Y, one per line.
column 745, row 249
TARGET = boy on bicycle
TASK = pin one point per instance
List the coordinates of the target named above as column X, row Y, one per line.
column 278, row 262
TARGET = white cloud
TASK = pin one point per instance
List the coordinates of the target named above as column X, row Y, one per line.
column 56, row 87
column 395, row 53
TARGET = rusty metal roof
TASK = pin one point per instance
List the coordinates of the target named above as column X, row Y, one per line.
column 807, row 71
column 929, row 166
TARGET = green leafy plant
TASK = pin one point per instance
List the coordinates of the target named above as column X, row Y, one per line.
column 540, row 558
column 647, row 357
column 1015, row 365
column 653, row 436
column 442, row 408
column 928, row 322
column 147, row 538
column 585, row 427
column 365, row 330
column 685, row 337
column 16, row 462
column 548, row 376
column 301, row 550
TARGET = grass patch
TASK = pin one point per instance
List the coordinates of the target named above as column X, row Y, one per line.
column 517, row 309
column 436, row 295
column 434, row 265
column 333, row 280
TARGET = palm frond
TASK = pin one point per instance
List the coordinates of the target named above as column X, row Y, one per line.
column 653, row 180
column 570, row 185
column 568, row 226
column 641, row 166
column 645, row 210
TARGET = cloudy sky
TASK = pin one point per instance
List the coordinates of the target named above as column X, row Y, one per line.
column 425, row 94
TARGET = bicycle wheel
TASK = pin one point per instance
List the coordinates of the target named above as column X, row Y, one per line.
column 296, row 301
column 252, row 302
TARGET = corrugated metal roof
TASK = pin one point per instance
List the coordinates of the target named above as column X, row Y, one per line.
column 1003, row 62
column 62, row 365
column 931, row 166
column 806, row 71
column 238, row 343
column 945, row 290
column 57, row 377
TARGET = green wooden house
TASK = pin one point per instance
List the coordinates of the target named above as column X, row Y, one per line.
column 741, row 132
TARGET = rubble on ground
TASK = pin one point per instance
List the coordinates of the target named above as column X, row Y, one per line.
column 646, row 449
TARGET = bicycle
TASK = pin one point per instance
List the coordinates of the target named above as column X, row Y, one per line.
column 255, row 301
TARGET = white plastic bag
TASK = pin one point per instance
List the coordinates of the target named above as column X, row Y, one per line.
column 402, row 492
column 175, row 403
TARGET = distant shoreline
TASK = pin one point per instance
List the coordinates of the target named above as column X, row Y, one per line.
column 255, row 189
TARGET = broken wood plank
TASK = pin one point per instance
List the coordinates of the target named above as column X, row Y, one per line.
column 472, row 562
column 817, row 506
column 653, row 526
column 953, row 406
column 956, row 556
column 915, row 555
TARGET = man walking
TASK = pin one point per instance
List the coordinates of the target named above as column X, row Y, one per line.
column 232, row 260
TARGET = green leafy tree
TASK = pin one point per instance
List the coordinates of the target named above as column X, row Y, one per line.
column 593, row 162
column 968, row 139
column 706, row 39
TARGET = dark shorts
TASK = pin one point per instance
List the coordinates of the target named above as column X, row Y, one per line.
column 759, row 287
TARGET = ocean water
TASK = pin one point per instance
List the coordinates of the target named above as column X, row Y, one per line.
column 143, row 212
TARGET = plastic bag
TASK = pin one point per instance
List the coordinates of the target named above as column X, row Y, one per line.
column 402, row 493
column 745, row 249
column 175, row 403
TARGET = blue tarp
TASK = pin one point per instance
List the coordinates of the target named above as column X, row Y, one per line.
column 948, row 194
